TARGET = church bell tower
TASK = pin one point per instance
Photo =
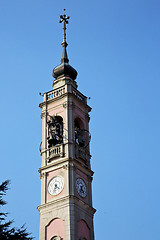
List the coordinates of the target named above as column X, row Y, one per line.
column 66, row 211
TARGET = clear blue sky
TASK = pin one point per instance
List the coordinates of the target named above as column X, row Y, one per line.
column 115, row 47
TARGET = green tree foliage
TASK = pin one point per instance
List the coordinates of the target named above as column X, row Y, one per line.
column 7, row 232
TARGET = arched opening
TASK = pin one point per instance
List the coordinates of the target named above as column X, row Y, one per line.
column 78, row 123
column 78, row 130
column 55, row 131
column 82, row 136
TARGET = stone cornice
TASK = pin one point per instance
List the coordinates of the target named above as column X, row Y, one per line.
column 64, row 161
column 67, row 201
column 52, row 100
column 64, row 95
column 83, row 167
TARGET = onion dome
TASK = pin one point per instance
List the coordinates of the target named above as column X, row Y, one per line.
column 64, row 69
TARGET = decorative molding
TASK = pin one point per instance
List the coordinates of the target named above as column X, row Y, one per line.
column 65, row 105
column 43, row 114
column 56, row 238
column 72, row 166
column 65, row 166
column 61, row 203
column 42, row 175
column 70, row 105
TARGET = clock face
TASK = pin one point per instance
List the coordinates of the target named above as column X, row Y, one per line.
column 81, row 187
column 55, row 185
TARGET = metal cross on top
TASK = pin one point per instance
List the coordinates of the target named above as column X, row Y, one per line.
column 64, row 19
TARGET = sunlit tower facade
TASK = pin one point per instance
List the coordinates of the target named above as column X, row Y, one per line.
column 66, row 211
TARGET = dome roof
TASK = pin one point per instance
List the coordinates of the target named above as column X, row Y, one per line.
column 64, row 69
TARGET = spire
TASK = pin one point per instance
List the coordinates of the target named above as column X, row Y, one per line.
column 64, row 19
column 64, row 69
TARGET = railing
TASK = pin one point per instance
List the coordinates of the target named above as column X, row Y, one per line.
column 82, row 153
column 79, row 96
column 57, row 151
column 56, row 93
column 60, row 91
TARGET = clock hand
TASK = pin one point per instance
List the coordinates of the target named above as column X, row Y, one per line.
column 82, row 189
column 55, row 186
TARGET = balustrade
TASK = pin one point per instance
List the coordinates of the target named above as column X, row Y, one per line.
column 60, row 91
column 56, row 93
column 55, row 151
column 82, row 153
column 79, row 96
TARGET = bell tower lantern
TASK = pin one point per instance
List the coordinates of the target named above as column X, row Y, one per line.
column 66, row 211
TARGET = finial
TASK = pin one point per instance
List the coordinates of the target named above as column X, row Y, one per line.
column 64, row 69
column 64, row 19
